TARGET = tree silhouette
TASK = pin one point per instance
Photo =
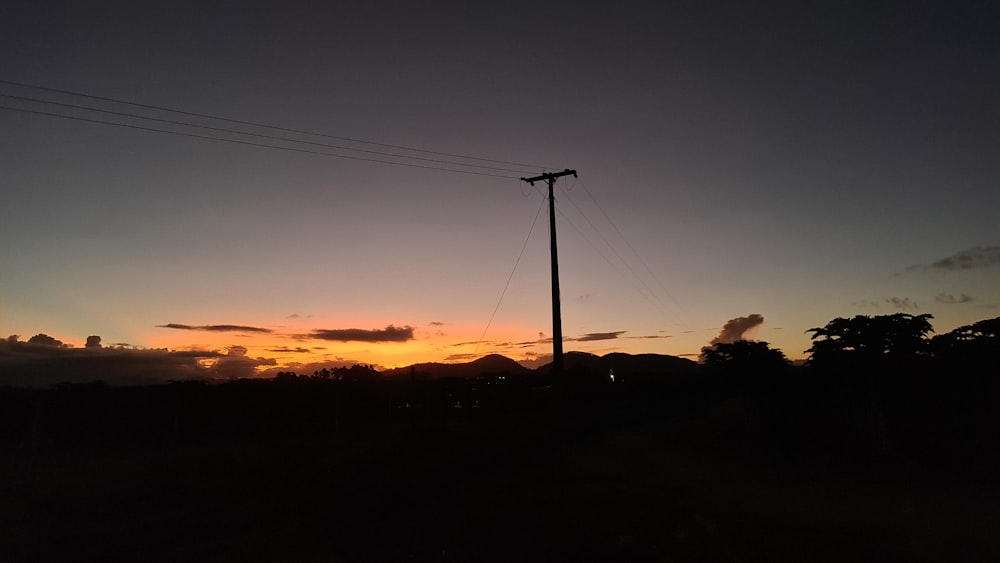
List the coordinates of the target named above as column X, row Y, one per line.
column 45, row 339
column 752, row 371
column 869, row 339
column 970, row 344
column 744, row 357
column 879, row 368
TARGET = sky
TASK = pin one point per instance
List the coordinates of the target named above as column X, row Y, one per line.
column 788, row 161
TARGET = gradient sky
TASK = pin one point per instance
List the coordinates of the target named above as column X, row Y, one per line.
column 798, row 160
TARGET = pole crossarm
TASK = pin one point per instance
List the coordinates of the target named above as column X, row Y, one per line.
column 549, row 176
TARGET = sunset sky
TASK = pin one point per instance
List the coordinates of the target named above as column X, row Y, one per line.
column 797, row 160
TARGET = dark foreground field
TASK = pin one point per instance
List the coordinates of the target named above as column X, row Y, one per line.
column 558, row 478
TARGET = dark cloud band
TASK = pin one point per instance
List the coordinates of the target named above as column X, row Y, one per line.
column 590, row 337
column 217, row 328
column 388, row 334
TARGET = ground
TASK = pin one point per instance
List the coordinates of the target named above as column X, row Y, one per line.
column 550, row 481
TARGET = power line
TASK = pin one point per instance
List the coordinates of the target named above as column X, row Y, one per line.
column 254, row 124
column 648, row 294
column 634, row 252
column 260, row 135
column 250, row 143
column 510, row 277
column 656, row 301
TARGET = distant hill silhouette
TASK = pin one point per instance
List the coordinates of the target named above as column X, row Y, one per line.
column 493, row 364
column 623, row 364
column 626, row 364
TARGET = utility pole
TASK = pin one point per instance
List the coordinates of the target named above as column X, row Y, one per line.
column 557, row 343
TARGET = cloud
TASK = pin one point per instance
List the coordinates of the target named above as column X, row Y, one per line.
column 902, row 303
column 93, row 342
column 388, row 334
column 436, row 323
column 973, row 258
column 235, row 364
column 649, row 336
column 286, row 349
column 949, row 299
column 970, row 258
column 590, row 337
column 217, row 328
column 457, row 357
column 736, row 329
column 41, row 365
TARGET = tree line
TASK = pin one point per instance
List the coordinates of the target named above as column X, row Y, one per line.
column 875, row 384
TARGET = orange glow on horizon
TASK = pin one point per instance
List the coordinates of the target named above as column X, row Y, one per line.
column 291, row 344
column 293, row 348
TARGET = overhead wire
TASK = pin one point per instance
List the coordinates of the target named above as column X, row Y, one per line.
column 510, row 277
column 260, row 135
column 250, row 143
column 645, row 290
column 609, row 262
column 264, row 125
column 645, row 264
column 649, row 293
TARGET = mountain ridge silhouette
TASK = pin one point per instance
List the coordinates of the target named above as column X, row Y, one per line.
column 497, row 364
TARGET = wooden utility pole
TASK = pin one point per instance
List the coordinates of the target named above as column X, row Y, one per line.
column 557, row 340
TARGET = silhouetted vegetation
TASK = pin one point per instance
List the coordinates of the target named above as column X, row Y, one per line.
column 874, row 387
column 656, row 463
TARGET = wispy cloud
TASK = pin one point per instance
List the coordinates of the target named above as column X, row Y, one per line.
column 286, row 349
column 649, row 336
column 973, row 258
column 460, row 357
column 388, row 334
column 902, row 303
column 217, row 328
column 949, row 299
column 588, row 337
